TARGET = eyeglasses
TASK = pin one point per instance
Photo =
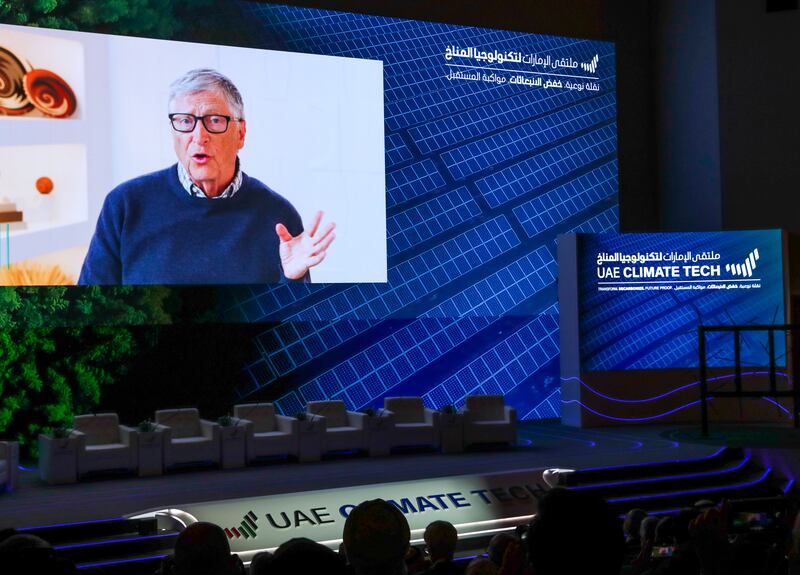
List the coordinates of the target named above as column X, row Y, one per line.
column 214, row 123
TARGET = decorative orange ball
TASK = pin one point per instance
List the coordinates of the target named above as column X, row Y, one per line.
column 44, row 185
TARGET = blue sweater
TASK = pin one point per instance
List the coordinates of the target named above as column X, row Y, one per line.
column 151, row 231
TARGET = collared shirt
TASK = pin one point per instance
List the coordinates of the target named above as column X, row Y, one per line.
column 195, row 190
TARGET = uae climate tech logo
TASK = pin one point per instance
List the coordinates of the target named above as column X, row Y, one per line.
column 247, row 528
column 746, row 268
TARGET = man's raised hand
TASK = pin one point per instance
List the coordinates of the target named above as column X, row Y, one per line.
column 304, row 251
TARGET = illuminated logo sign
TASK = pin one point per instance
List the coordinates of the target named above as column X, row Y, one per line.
column 591, row 66
column 746, row 268
column 476, row 504
column 247, row 528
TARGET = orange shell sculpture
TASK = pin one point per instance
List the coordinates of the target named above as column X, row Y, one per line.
column 44, row 185
column 13, row 101
column 49, row 93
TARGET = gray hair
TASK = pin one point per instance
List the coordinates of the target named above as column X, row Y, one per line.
column 208, row 80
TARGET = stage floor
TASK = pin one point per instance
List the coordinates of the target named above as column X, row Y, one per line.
column 542, row 445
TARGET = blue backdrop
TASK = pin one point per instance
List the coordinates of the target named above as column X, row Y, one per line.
column 658, row 328
column 480, row 178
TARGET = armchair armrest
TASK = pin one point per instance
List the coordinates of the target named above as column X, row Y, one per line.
column 315, row 422
column 510, row 413
column 80, row 436
column 210, row 429
column 129, row 436
column 166, row 431
column 385, row 415
column 245, row 424
column 383, row 419
column 431, row 416
column 287, row 424
column 356, row 419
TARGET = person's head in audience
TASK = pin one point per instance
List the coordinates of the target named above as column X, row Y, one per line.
column 665, row 531
column 376, row 539
column 203, row 549
column 440, row 541
column 497, row 547
column 481, row 566
column 26, row 553
column 647, row 530
column 704, row 504
column 575, row 532
column 633, row 520
column 260, row 563
column 681, row 525
column 301, row 555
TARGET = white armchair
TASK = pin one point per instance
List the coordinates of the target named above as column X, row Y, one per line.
column 487, row 419
column 104, row 444
column 344, row 430
column 414, row 424
column 187, row 438
column 9, row 460
column 267, row 433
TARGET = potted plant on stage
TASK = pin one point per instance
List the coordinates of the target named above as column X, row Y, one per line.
column 58, row 456
column 451, row 425
column 233, row 439
column 380, row 425
column 311, row 429
column 151, row 449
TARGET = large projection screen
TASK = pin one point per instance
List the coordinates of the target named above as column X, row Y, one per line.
column 450, row 158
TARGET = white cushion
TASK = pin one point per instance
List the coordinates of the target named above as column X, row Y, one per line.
column 406, row 409
column 183, row 422
column 195, row 439
column 261, row 414
column 106, row 447
column 99, row 428
column 334, row 412
column 486, row 407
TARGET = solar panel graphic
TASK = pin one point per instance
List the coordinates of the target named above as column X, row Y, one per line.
column 658, row 329
column 480, row 178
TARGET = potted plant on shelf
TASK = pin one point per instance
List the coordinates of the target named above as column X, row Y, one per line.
column 448, row 414
column 452, row 429
column 379, row 424
column 147, row 431
column 233, row 442
column 310, row 448
column 150, row 448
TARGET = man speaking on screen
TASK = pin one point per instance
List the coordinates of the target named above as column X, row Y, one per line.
column 202, row 220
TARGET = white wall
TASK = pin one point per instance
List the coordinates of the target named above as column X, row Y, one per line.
column 62, row 149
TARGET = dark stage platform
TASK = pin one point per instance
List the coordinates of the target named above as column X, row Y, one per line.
column 542, row 445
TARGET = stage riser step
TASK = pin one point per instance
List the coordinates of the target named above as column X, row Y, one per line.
column 679, row 500
column 608, row 475
column 717, row 478
column 126, row 547
column 124, row 566
column 89, row 531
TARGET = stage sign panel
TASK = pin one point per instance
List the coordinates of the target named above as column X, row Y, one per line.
column 642, row 297
column 478, row 505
